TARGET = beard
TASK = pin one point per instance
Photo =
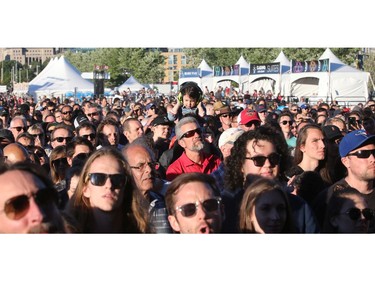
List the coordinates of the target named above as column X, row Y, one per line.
column 197, row 146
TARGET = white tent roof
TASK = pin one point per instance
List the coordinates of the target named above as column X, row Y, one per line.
column 282, row 59
column 242, row 62
column 132, row 84
column 59, row 77
column 204, row 66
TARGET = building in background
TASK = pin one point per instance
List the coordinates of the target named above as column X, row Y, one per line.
column 28, row 55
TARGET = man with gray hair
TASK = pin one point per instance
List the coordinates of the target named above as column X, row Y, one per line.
column 193, row 159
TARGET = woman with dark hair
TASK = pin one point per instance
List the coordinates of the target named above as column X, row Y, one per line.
column 262, row 152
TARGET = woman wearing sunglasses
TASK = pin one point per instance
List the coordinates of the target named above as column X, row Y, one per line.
column 105, row 200
column 262, row 152
column 347, row 212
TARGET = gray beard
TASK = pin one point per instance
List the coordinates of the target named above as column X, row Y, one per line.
column 198, row 146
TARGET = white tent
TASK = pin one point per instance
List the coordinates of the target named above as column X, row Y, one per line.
column 341, row 82
column 132, row 84
column 59, row 78
column 241, row 78
column 201, row 75
column 271, row 76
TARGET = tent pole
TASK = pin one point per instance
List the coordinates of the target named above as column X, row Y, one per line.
column 372, row 83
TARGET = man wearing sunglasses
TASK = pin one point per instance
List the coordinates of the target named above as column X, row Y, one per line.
column 18, row 125
column 194, row 204
column 248, row 120
column 67, row 116
column 357, row 151
column 193, row 159
column 61, row 135
column 28, row 204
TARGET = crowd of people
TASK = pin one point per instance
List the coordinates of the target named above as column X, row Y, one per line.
column 197, row 162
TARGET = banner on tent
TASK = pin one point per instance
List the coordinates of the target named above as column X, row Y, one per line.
column 310, row 66
column 189, row 73
column 230, row 70
column 265, row 68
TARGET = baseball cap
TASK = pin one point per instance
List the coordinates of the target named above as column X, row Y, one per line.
column 261, row 108
column 304, row 106
column 6, row 134
column 332, row 132
column 248, row 115
column 354, row 140
column 79, row 120
column 149, row 105
column 230, row 136
column 161, row 120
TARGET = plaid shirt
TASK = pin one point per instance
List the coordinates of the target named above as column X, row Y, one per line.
column 218, row 175
column 159, row 214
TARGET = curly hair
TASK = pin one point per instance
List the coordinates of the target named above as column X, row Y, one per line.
column 234, row 177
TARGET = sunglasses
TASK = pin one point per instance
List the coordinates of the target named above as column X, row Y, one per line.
column 91, row 136
column 19, row 129
column 363, row 153
column 92, row 114
column 37, row 135
column 61, row 139
column 286, row 122
column 99, row 179
column 152, row 107
column 250, row 124
column 142, row 166
column 355, row 213
column 191, row 133
column 66, row 112
column 224, row 115
column 17, row 207
column 209, row 206
column 259, row 161
column 59, row 162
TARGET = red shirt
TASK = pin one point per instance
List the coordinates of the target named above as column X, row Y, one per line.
column 184, row 165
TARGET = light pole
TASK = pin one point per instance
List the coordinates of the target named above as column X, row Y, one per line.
column 99, row 74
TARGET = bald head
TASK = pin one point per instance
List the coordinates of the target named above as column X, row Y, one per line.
column 15, row 152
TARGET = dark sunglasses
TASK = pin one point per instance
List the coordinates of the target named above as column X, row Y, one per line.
column 17, row 207
column 59, row 162
column 287, row 122
column 224, row 115
column 152, row 107
column 61, row 139
column 190, row 209
column 91, row 136
column 355, row 213
column 191, row 133
column 66, row 112
column 37, row 135
column 92, row 114
column 19, row 129
column 259, row 161
column 250, row 124
column 99, row 179
column 363, row 153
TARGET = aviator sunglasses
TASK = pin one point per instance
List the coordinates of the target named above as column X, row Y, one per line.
column 99, row 179
column 355, row 213
column 259, row 161
column 363, row 153
column 191, row 133
column 17, row 207
column 190, row 209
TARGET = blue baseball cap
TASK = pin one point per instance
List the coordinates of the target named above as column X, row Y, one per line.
column 354, row 140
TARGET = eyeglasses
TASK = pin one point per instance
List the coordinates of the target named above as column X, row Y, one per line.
column 363, row 153
column 355, row 213
column 59, row 162
column 259, row 161
column 191, row 133
column 17, row 207
column 286, row 122
column 141, row 167
column 92, row 114
column 190, row 209
column 91, row 136
column 99, row 179
column 61, row 139
column 66, row 112
column 19, row 128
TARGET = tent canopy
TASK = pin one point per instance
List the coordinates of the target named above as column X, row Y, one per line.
column 58, row 78
column 132, row 84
